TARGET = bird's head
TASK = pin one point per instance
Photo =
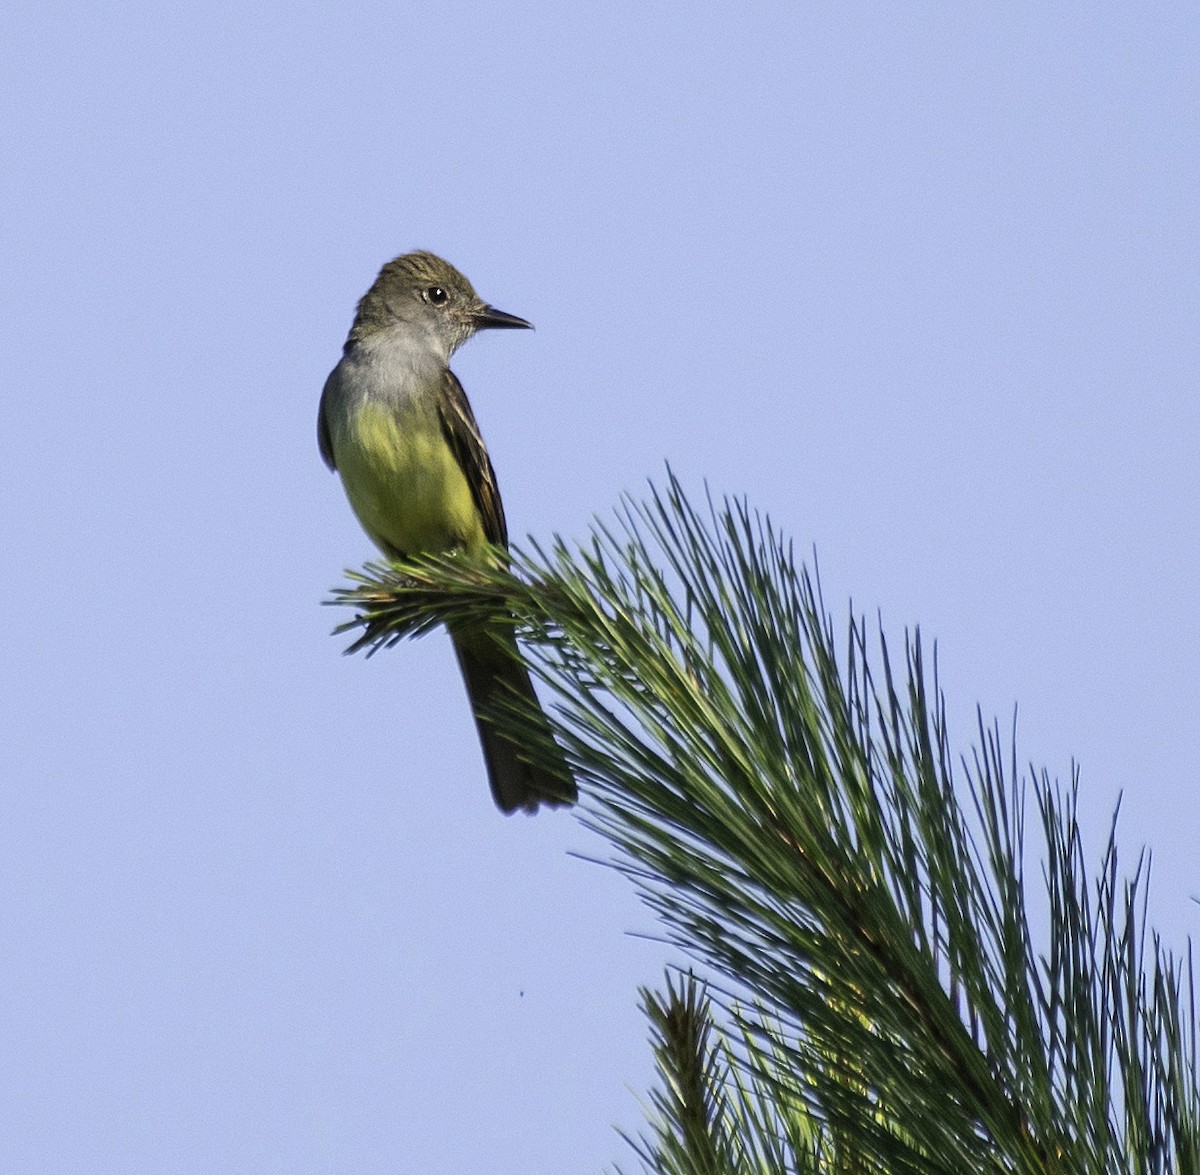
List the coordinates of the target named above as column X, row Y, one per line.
column 428, row 299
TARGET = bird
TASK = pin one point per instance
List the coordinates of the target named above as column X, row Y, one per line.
column 396, row 425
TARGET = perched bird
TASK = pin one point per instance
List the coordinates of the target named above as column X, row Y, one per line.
column 396, row 425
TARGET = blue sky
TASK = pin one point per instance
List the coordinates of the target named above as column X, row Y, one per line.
column 921, row 280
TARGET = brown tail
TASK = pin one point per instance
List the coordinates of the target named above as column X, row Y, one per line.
column 490, row 672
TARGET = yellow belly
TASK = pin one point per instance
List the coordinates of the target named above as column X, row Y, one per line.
column 403, row 481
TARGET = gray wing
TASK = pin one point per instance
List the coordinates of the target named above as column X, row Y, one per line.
column 462, row 433
column 324, row 438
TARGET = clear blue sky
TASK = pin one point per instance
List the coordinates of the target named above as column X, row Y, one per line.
column 921, row 280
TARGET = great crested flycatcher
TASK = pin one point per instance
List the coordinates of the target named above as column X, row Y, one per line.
column 395, row 424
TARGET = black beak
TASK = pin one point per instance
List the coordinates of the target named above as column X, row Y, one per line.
column 489, row 316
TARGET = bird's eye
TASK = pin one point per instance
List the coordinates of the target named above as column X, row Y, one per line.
column 436, row 295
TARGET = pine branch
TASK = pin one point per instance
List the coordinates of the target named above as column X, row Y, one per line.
column 790, row 810
column 691, row 1136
